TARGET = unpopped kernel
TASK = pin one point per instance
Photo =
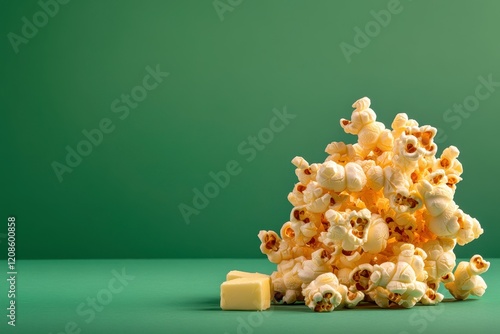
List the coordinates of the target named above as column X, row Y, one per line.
column 375, row 222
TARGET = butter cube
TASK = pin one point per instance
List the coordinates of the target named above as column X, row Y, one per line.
column 243, row 274
column 246, row 293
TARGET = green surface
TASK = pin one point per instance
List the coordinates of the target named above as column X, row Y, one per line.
column 182, row 296
column 226, row 77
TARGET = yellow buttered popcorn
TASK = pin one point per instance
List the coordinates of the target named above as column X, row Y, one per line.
column 375, row 222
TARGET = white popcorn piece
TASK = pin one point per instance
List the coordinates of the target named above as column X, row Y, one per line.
column 336, row 150
column 316, row 199
column 467, row 280
column 319, row 264
column 353, row 233
column 385, row 142
column 351, row 259
column 270, row 245
column 375, row 178
column 341, row 153
column 408, row 150
column 368, row 136
column 384, row 298
column 382, row 273
column 404, row 200
column 304, row 171
column 338, row 200
column 355, row 177
column 359, row 278
column 470, row 228
column 363, row 123
column 321, row 295
column 403, row 277
column 440, row 259
column 312, row 192
column 279, row 289
column 401, row 123
column 300, row 163
column 437, row 198
column 296, row 196
column 453, row 179
column 377, row 235
column 405, row 220
column 349, row 299
column 395, row 181
column 449, row 162
column 305, row 225
column 431, row 297
column 325, row 293
column 361, row 115
column 437, row 178
column 397, row 283
column 287, row 284
column 415, row 257
column 333, row 235
column 375, row 222
column 332, row 176
column 426, row 135
column 446, row 224
column 287, row 233
column 362, row 104
column 400, row 234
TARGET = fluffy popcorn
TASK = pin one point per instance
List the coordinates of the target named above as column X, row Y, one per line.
column 376, row 222
column 467, row 280
column 270, row 245
column 376, row 235
column 470, row 228
column 319, row 264
column 304, row 172
column 331, row 176
column 440, row 259
column 400, row 283
column 321, row 295
column 286, row 282
column 325, row 293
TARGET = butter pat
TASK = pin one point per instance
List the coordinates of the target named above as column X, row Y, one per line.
column 233, row 274
column 246, row 293
column 243, row 274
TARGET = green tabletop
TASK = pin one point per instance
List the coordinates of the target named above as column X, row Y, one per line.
column 182, row 296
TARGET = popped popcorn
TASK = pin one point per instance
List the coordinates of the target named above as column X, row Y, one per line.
column 325, row 293
column 467, row 280
column 375, row 222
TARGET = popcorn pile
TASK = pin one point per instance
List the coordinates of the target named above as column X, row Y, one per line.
column 375, row 222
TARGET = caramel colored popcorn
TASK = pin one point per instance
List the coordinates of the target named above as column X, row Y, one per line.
column 375, row 222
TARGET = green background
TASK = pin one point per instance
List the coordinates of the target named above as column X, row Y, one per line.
column 226, row 77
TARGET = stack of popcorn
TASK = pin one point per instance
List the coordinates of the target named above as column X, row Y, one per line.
column 375, row 222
